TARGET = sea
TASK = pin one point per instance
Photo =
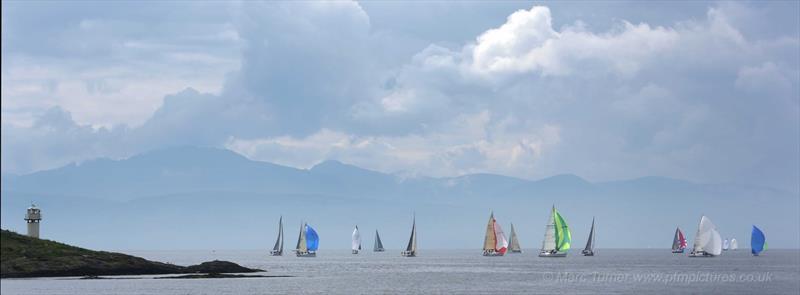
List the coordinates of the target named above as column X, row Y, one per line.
column 611, row 271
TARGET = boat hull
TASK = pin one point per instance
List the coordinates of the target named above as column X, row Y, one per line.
column 379, row 250
column 552, row 254
column 409, row 253
column 275, row 253
column 515, row 251
column 306, row 254
column 355, row 251
column 587, row 253
column 492, row 253
column 701, row 254
column 677, row 251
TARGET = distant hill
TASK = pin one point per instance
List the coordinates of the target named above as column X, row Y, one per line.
column 23, row 256
column 176, row 198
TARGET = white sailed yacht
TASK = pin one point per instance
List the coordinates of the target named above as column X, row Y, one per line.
column 356, row 241
column 411, row 249
column 277, row 250
column 707, row 241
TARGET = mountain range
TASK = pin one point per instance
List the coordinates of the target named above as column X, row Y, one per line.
column 207, row 198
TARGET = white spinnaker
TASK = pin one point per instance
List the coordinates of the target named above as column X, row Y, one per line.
column 734, row 244
column 715, row 245
column 356, row 239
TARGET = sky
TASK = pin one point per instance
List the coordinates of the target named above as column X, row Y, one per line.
column 703, row 91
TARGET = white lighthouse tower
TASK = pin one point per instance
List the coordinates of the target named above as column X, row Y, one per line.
column 33, row 217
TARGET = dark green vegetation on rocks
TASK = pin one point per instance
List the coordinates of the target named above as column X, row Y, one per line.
column 23, row 256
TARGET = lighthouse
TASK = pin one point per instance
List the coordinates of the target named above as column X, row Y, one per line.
column 33, row 217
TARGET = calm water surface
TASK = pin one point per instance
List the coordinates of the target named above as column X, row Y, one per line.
column 457, row 271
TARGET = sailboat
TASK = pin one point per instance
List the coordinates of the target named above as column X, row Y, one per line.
column 514, row 242
column 725, row 245
column 378, row 244
column 589, row 249
column 556, row 236
column 356, row 241
column 707, row 241
column 758, row 242
column 411, row 249
column 678, row 242
column 494, row 242
column 734, row 244
column 307, row 242
column 277, row 250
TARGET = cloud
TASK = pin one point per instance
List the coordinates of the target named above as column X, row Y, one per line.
column 322, row 80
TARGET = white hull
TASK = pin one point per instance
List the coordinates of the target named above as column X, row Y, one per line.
column 587, row 253
column 306, row 254
column 275, row 253
column 552, row 254
column 701, row 254
column 492, row 253
column 355, row 251
column 409, row 253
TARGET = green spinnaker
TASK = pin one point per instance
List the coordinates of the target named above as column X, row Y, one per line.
column 563, row 237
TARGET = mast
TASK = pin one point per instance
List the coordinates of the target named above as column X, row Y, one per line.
column 590, row 242
column 490, row 239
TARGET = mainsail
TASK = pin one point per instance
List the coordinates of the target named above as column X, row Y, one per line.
column 490, row 239
column 278, row 248
column 758, row 242
column 378, row 244
column 549, row 243
column 678, row 242
column 707, row 238
column 301, row 240
column 411, row 249
column 356, row 239
column 590, row 241
column 514, row 242
column 312, row 239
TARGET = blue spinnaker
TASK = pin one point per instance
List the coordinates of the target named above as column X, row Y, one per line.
column 312, row 239
column 757, row 241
